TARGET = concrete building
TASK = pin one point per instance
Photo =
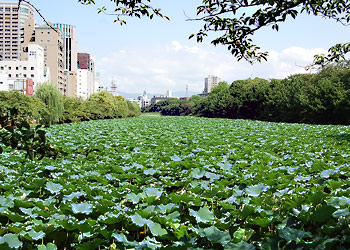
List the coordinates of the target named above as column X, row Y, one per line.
column 71, row 57
column 31, row 69
column 16, row 26
column 85, row 76
column 54, row 56
column 143, row 100
column 71, row 81
column 209, row 83
column 70, row 45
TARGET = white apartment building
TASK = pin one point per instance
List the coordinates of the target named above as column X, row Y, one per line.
column 86, row 77
column 210, row 82
column 85, row 83
column 32, row 69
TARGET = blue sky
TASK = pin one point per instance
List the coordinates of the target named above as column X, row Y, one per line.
column 156, row 55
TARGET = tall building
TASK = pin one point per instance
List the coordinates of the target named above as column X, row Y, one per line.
column 14, row 25
column 71, row 57
column 85, row 76
column 70, row 45
column 210, row 82
column 54, row 56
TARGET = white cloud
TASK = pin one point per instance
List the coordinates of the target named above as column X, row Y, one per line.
column 174, row 65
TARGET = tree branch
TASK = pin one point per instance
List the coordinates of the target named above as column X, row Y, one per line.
column 38, row 11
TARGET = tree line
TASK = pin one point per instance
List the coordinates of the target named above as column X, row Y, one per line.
column 319, row 98
column 48, row 106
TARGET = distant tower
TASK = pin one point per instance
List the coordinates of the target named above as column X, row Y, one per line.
column 114, row 87
column 169, row 93
column 186, row 90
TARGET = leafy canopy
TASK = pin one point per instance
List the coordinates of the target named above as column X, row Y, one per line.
column 236, row 21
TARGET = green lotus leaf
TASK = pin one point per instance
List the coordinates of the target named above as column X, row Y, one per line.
column 83, row 208
column 243, row 234
column 256, row 190
column 322, row 214
column 202, row 215
column 133, row 197
column 292, row 234
column 156, row 229
column 239, row 246
column 49, row 246
column 338, row 201
column 11, row 240
column 198, row 173
column 36, row 235
column 53, row 187
column 6, row 202
column 341, row 213
column 175, row 158
column 153, row 192
column 215, row 235
column 140, row 221
column 225, row 166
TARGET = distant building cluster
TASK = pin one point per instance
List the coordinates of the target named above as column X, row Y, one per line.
column 31, row 54
column 209, row 83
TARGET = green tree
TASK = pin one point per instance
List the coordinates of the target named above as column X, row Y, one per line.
column 51, row 96
column 27, row 107
column 102, row 105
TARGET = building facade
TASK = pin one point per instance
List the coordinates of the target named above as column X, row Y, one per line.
column 14, row 23
column 210, row 82
column 70, row 45
column 54, row 56
column 85, row 76
column 32, row 69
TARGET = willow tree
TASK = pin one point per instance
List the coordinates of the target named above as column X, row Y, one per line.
column 53, row 99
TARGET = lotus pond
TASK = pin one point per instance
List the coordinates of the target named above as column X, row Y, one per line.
column 180, row 183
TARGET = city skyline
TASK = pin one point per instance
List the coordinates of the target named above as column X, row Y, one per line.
column 157, row 55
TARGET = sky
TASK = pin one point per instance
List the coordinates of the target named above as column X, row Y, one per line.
column 156, row 55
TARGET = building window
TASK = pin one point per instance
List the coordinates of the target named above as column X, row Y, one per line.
column 17, row 75
column 24, row 75
column 31, row 68
column 17, row 68
column 24, row 68
column 9, row 67
column 48, row 41
column 9, row 75
column 32, row 75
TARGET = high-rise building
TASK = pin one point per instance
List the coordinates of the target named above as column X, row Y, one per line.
column 70, row 45
column 71, row 57
column 210, row 82
column 85, row 76
column 54, row 56
column 16, row 26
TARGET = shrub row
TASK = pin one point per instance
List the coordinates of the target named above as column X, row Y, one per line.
column 48, row 106
column 320, row 98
